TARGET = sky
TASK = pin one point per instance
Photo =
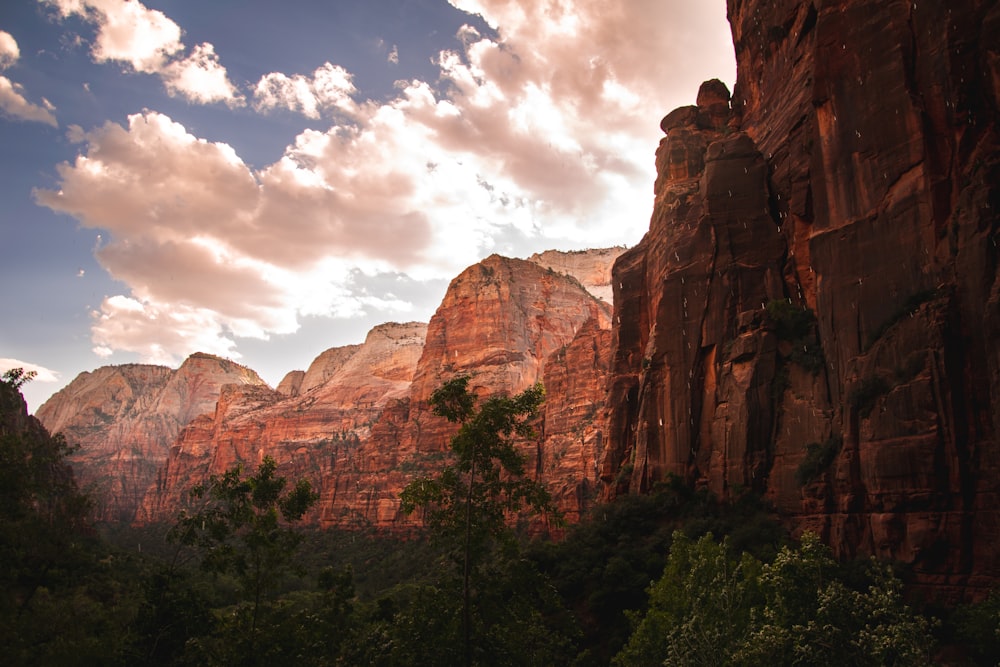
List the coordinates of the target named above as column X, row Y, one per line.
column 265, row 180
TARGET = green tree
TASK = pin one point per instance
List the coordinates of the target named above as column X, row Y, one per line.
column 710, row 608
column 60, row 600
column 700, row 608
column 469, row 503
column 243, row 529
column 814, row 615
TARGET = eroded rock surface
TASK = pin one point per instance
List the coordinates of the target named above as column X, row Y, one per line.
column 855, row 174
column 125, row 418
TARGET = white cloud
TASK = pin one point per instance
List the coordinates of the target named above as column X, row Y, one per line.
column 150, row 42
column 201, row 78
column 329, row 89
column 393, row 56
column 211, row 250
column 9, row 52
column 43, row 374
column 128, row 32
column 14, row 104
column 544, row 134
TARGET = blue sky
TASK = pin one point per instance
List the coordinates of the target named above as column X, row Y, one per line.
column 265, row 180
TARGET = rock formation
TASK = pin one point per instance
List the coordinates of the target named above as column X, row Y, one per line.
column 814, row 315
column 591, row 267
column 357, row 422
column 315, row 433
column 124, row 419
column 814, row 312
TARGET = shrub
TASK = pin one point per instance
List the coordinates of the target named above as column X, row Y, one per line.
column 818, row 458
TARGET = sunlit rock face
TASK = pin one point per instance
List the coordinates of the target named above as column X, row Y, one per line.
column 591, row 267
column 357, row 423
column 856, row 173
column 125, row 418
column 316, row 432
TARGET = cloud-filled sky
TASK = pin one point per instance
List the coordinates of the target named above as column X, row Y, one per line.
column 265, row 180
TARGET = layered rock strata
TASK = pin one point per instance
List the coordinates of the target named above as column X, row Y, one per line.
column 814, row 312
column 123, row 419
column 357, row 422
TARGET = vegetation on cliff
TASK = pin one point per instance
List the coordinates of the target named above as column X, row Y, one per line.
column 240, row 584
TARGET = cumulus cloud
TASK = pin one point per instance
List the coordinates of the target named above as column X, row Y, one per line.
column 148, row 41
column 9, row 51
column 543, row 134
column 212, row 250
column 43, row 374
column 13, row 103
column 329, row 89
column 201, row 78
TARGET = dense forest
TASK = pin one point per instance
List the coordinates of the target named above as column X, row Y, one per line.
column 671, row 577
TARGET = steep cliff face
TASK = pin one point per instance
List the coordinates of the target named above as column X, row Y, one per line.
column 313, row 433
column 363, row 430
column 591, row 267
column 814, row 311
column 124, row 419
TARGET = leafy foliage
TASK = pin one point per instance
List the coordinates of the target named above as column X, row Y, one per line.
column 791, row 322
column 699, row 609
column 466, row 506
column 604, row 565
column 58, row 597
column 710, row 607
column 818, row 458
column 864, row 397
column 797, row 326
column 469, row 501
column 243, row 530
column 977, row 627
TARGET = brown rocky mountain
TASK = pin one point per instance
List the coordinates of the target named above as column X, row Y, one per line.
column 814, row 314
column 855, row 177
column 124, row 419
column 361, row 431
column 591, row 267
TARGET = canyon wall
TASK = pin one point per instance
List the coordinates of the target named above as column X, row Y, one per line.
column 814, row 311
column 356, row 422
column 813, row 315
column 123, row 419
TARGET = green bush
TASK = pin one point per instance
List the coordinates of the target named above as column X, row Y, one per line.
column 791, row 322
column 818, row 458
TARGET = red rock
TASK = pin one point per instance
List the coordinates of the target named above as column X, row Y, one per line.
column 591, row 267
column 363, row 430
column 124, row 419
column 857, row 175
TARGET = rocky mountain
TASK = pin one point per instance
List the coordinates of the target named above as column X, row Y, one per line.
column 591, row 267
column 813, row 315
column 814, row 312
column 125, row 418
column 361, row 429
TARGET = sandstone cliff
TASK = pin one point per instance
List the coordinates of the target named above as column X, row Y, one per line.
column 314, row 433
column 361, row 429
column 591, row 267
column 814, row 312
column 124, row 419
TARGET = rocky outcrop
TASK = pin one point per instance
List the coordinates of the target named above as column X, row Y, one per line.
column 125, row 418
column 361, row 430
column 814, row 312
column 313, row 434
column 591, row 267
